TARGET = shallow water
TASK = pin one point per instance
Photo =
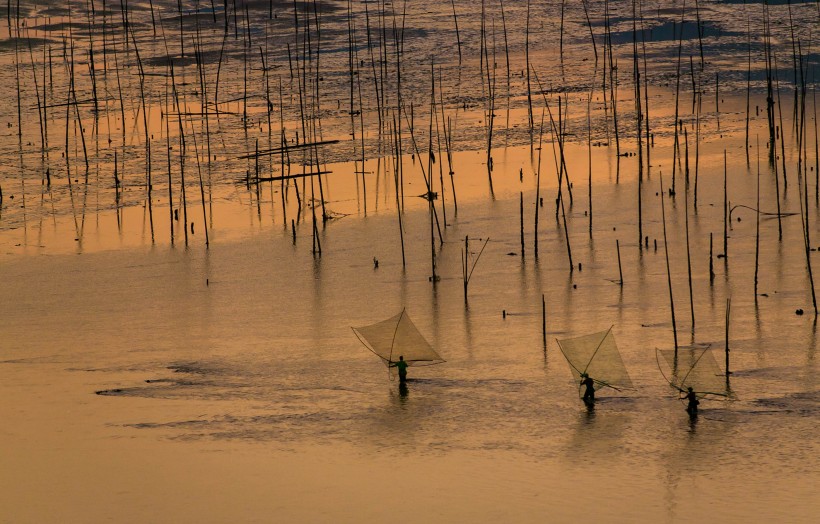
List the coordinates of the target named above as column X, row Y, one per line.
column 230, row 370
column 145, row 381
column 50, row 171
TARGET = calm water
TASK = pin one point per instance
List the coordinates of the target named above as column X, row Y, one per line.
column 144, row 381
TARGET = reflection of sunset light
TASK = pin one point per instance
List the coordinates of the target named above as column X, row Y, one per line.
column 147, row 376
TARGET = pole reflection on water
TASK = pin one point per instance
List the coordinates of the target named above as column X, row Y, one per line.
column 230, row 368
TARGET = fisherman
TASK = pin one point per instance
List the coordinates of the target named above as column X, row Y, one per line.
column 589, row 393
column 692, row 406
column 402, row 367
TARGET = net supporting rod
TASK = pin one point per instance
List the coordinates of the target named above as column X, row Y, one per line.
column 393, row 340
column 597, row 348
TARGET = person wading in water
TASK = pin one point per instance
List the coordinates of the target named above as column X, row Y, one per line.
column 402, row 367
column 692, row 406
column 589, row 393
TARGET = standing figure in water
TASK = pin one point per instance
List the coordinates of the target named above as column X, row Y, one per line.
column 589, row 393
column 402, row 367
column 692, row 406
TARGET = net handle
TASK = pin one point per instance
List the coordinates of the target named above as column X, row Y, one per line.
column 601, row 343
column 393, row 342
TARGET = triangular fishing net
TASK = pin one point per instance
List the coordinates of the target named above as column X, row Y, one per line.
column 398, row 336
column 597, row 355
column 695, row 368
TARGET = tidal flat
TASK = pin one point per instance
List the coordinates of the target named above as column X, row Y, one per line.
column 199, row 201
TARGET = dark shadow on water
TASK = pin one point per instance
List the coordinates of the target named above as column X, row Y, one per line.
column 693, row 422
column 598, row 431
column 489, row 384
column 590, row 412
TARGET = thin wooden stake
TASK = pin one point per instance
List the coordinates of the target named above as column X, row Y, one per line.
column 725, row 213
column 544, row 318
column 689, row 260
column 711, row 262
column 757, row 222
column 728, row 311
column 522, row 224
column 668, row 272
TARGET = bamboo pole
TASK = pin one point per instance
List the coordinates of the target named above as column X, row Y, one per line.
column 717, row 99
column 490, row 119
column 711, row 262
column 804, row 188
column 182, row 148
column 636, row 75
column 397, row 180
column 689, row 260
column 538, row 186
column 464, row 256
column 686, row 157
column 816, row 147
column 589, row 159
column 675, row 143
column 40, row 109
column 561, row 40
column 782, row 129
column 728, row 312
column 527, row 59
column 148, row 181
column 589, row 25
column 700, row 32
column 773, row 153
column 440, row 110
column 668, row 272
column 467, row 269
column 697, row 151
column 448, row 141
column 769, row 88
column 645, row 115
column 507, row 62
column 317, row 245
column 521, row 213
column 168, row 153
column 458, row 38
column 749, row 89
column 725, row 213
column 430, row 194
column 757, row 223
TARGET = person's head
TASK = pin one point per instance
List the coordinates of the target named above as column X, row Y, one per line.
column 584, row 375
column 401, row 357
column 690, row 389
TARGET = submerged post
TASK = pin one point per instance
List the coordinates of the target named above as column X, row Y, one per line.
column 668, row 272
column 728, row 310
column 544, row 319
column 711, row 262
column 522, row 224
column 725, row 213
column 464, row 264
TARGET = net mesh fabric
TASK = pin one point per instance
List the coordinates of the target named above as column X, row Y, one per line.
column 695, row 368
column 597, row 355
column 398, row 336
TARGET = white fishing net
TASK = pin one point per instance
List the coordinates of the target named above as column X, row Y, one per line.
column 695, row 368
column 597, row 355
column 398, row 336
